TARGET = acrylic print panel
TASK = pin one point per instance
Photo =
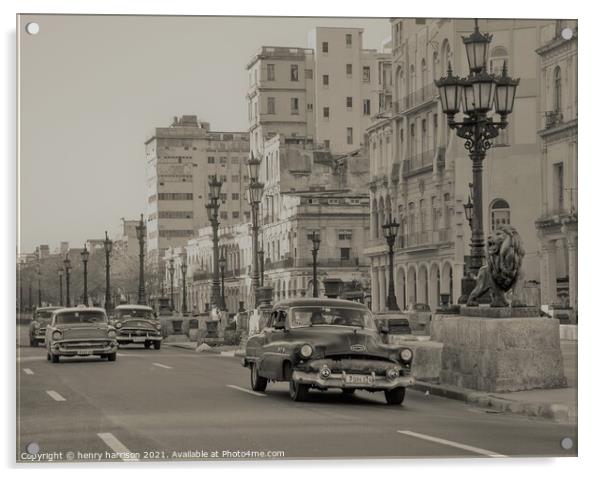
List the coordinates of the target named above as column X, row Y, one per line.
column 275, row 246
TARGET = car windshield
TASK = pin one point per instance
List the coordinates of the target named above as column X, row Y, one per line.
column 80, row 317
column 325, row 315
column 43, row 315
column 133, row 313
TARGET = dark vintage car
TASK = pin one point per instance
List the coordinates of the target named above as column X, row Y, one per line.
column 37, row 327
column 137, row 324
column 80, row 331
column 323, row 344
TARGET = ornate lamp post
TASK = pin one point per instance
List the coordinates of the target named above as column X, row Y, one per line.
column 141, row 235
column 222, row 268
column 67, row 264
column 172, row 270
column 390, row 229
column 39, row 274
column 477, row 95
column 255, row 193
column 469, row 207
column 315, row 239
column 261, row 255
column 184, row 268
column 212, row 207
column 60, row 272
column 108, row 248
column 85, row 256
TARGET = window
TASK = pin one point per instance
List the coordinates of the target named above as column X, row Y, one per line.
column 223, row 179
column 558, row 186
column 211, row 160
column 557, row 89
column 366, row 74
column 499, row 56
column 309, row 74
column 223, row 215
column 348, row 39
column 325, row 80
column 235, row 214
column 223, row 160
column 223, row 197
column 349, row 102
column 235, row 196
column 294, row 72
column 324, row 47
column 349, row 135
column 435, row 128
column 500, row 214
column 326, row 113
column 294, row 105
column 367, row 107
column 345, row 234
column 271, row 105
column 327, row 143
column 310, row 107
column 349, row 69
column 235, row 179
column 271, row 72
column 345, row 253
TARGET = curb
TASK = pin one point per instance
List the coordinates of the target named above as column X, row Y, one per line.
column 560, row 413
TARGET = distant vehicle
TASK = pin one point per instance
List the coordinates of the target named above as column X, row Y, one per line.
column 327, row 343
column 418, row 307
column 80, row 332
column 137, row 324
column 396, row 326
column 37, row 327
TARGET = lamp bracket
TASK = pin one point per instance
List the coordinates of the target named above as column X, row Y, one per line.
column 478, row 130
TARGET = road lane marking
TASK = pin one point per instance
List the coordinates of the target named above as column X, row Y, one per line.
column 56, row 396
column 27, row 371
column 162, row 366
column 476, row 450
column 23, row 359
column 117, row 446
column 254, row 393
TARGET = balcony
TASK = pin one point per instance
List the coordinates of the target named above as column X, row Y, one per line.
column 424, row 240
column 416, row 98
column 557, row 217
column 291, row 262
column 419, row 163
column 552, row 119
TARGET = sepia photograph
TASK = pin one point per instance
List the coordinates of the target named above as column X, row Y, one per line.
column 250, row 238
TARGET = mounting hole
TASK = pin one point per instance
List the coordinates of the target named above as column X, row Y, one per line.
column 32, row 448
column 567, row 33
column 32, row 28
column 566, row 443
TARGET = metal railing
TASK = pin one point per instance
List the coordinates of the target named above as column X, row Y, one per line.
column 415, row 98
column 418, row 162
column 424, row 238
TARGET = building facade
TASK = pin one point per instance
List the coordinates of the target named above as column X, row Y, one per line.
column 557, row 225
column 420, row 170
column 180, row 160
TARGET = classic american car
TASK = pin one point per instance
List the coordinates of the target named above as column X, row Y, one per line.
column 137, row 324
column 37, row 327
column 80, row 331
column 327, row 343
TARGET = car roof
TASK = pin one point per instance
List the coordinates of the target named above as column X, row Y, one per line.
column 79, row 308
column 133, row 307
column 321, row 302
column 48, row 308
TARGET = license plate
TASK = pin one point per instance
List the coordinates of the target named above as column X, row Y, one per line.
column 359, row 379
column 85, row 352
column 139, row 340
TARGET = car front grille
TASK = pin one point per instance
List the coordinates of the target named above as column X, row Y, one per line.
column 85, row 333
column 85, row 344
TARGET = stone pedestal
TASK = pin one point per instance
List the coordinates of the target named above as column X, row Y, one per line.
column 499, row 354
column 426, row 365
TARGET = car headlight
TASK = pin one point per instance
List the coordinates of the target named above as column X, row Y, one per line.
column 56, row 335
column 112, row 334
column 406, row 354
column 36, row 324
column 158, row 325
column 117, row 325
column 306, row 351
column 392, row 374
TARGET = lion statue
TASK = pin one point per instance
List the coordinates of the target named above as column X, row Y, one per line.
column 502, row 272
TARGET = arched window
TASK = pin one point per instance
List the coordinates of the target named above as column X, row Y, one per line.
column 412, row 79
column 500, row 214
column 435, row 66
column 557, row 89
column 498, row 56
column 423, row 73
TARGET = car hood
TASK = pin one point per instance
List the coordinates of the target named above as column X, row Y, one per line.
column 137, row 323
column 77, row 331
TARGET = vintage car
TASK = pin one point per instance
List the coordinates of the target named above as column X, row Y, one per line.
column 37, row 327
column 80, row 331
column 137, row 324
column 327, row 343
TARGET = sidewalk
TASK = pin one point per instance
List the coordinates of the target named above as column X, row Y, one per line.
column 194, row 346
column 559, row 405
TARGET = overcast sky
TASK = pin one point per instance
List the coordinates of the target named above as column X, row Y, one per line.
column 94, row 87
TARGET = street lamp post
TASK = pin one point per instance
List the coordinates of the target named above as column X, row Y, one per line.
column 108, row 248
column 39, row 274
column 85, row 256
column 141, row 235
column 390, row 228
column 184, row 268
column 468, row 207
column 315, row 239
column 67, row 264
column 222, row 268
column 477, row 95
column 255, row 193
column 60, row 272
column 212, row 207
column 172, row 270
column 261, row 254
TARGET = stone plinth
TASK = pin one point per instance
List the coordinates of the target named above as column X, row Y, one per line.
column 499, row 355
column 426, row 365
column 500, row 312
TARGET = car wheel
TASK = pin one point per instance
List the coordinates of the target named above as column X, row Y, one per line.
column 157, row 345
column 298, row 391
column 112, row 356
column 395, row 396
column 147, row 345
column 258, row 383
column 55, row 358
column 348, row 391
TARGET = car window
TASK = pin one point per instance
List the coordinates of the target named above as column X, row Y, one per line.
column 80, row 317
column 330, row 316
column 43, row 314
column 133, row 313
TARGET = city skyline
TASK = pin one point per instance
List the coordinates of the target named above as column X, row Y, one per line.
column 57, row 132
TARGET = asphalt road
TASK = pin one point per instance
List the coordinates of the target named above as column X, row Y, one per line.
column 177, row 404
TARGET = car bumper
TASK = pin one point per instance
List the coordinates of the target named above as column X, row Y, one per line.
column 379, row 383
column 138, row 339
column 84, row 350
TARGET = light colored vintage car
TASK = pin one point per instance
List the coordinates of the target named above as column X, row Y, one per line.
column 80, row 331
column 37, row 327
column 137, row 324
